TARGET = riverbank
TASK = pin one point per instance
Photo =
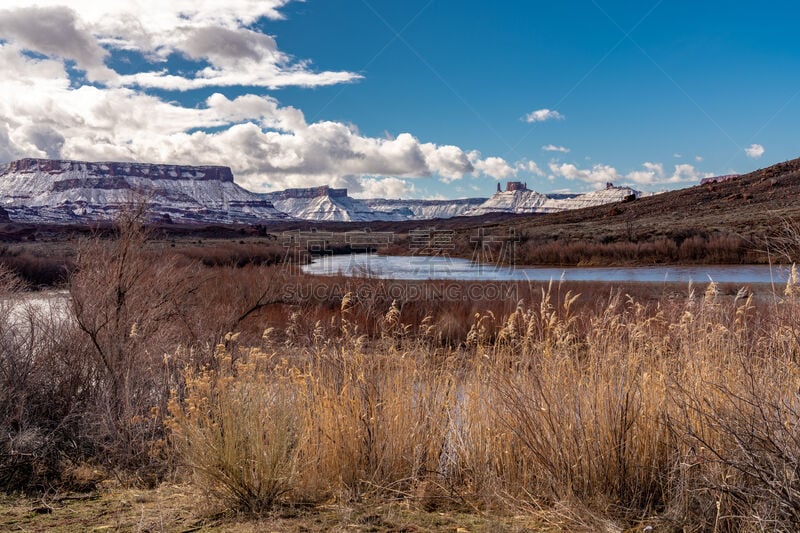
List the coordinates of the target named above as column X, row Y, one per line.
column 45, row 257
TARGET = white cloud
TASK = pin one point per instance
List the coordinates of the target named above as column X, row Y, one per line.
column 597, row 175
column 229, row 47
column 653, row 172
column 698, row 158
column 542, row 115
column 57, row 32
column 382, row 188
column 156, row 26
column 268, row 146
column 493, row 167
column 216, row 34
column 687, row 174
column 650, row 174
column 754, row 151
column 554, row 148
column 532, row 167
column 657, row 168
column 527, row 167
column 270, row 75
column 45, row 113
column 450, row 162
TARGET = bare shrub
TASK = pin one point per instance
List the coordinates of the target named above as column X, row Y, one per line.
column 236, row 255
column 692, row 248
column 130, row 305
column 86, row 380
column 230, row 299
column 45, row 387
column 36, row 270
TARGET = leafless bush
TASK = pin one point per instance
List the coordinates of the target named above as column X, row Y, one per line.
column 130, row 305
column 46, row 385
column 36, row 270
column 234, row 254
column 693, row 248
column 88, row 380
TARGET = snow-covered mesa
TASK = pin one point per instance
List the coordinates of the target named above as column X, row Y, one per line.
column 523, row 200
column 43, row 190
column 328, row 204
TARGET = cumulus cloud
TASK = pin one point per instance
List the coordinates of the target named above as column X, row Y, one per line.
column 596, row 175
column 650, row 174
column 754, row 151
column 46, row 112
column 57, row 32
column 542, row 115
column 229, row 47
column 529, row 167
column 45, row 139
column 493, row 167
column 533, row 168
column 554, row 148
column 269, row 146
column 687, row 173
column 216, row 34
column 382, row 188
column 450, row 162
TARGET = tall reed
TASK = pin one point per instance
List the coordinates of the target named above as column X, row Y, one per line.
column 683, row 411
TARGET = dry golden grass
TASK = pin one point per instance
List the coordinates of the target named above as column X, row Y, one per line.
column 237, row 431
column 683, row 413
column 174, row 507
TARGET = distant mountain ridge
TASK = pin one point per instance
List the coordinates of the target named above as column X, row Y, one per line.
column 65, row 191
column 425, row 209
column 322, row 204
column 326, row 204
column 44, row 190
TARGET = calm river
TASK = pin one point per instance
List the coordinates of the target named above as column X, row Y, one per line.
column 421, row 268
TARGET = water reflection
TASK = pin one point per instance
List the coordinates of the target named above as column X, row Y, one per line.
column 441, row 267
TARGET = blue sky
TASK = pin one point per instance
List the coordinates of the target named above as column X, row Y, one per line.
column 416, row 98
